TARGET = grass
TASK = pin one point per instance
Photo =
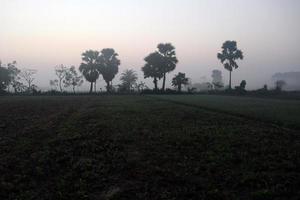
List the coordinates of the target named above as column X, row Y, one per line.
column 140, row 147
column 278, row 111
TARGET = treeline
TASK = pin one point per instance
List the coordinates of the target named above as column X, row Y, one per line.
column 105, row 63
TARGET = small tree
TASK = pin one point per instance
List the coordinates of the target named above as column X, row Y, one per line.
column 140, row 86
column 28, row 76
column 72, row 78
column 4, row 78
column 53, row 84
column 217, row 79
column 180, row 80
column 279, row 85
column 230, row 53
column 61, row 72
column 128, row 79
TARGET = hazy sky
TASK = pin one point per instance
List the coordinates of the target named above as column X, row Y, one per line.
column 41, row 34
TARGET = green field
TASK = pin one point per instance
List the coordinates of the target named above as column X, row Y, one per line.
column 278, row 111
column 149, row 147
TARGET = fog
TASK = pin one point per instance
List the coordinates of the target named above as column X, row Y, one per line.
column 41, row 34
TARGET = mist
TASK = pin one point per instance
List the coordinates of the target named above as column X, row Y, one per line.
column 44, row 34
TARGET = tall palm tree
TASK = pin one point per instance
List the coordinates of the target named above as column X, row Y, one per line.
column 167, row 51
column 179, row 80
column 230, row 53
column 109, row 66
column 90, row 66
column 128, row 79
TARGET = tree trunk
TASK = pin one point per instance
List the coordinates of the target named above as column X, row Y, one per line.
column 91, row 88
column 95, row 86
column 73, row 89
column 107, row 86
column 155, row 83
column 230, row 80
column 60, row 85
column 164, row 82
column 179, row 88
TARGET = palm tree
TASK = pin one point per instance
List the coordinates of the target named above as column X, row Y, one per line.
column 167, row 51
column 152, row 67
column 230, row 53
column 90, row 66
column 109, row 66
column 128, row 79
column 180, row 80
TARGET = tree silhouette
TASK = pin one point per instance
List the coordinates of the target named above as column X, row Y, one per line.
column 179, row 80
column 61, row 72
column 28, row 76
column 279, row 85
column 72, row 78
column 152, row 68
column 128, row 79
column 140, row 86
column 14, row 73
column 217, row 79
column 243, row 84
column 90, row 66
column 167, row 51
column 230, row 53
column 4, row 77
column 109, row 66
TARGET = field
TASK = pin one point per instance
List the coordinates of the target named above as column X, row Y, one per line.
column 149, row 147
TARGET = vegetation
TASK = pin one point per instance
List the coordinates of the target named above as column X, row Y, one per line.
column 278, row 111
column 140, row 147
column 169, row 60
column 217, row 79
column 230, row 53
column 152, row 68
column 90, row 67
column 128, row 80
column 109, row 66
column 179, row 80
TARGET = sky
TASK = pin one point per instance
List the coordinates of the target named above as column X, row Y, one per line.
column 41, row 34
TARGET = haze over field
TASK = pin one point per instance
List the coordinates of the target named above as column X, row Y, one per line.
column 41, row 34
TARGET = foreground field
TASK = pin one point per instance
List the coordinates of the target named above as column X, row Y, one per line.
column 140, row 147
column 278, row 111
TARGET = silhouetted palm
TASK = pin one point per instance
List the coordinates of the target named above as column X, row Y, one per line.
column 90, row 67
column 230, row 53
column 128, row 78
column 179, row 80
column 109, row 66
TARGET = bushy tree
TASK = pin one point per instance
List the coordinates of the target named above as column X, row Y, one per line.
column 108, row 66
column 152, row 68
column 167, row 51
column 141, row 86
column 4, row 78
column 128, row 79
column 228, row 57
column 179, row 80
column 72, row 79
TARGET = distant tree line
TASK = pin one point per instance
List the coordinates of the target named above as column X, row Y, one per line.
column 105, row 63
